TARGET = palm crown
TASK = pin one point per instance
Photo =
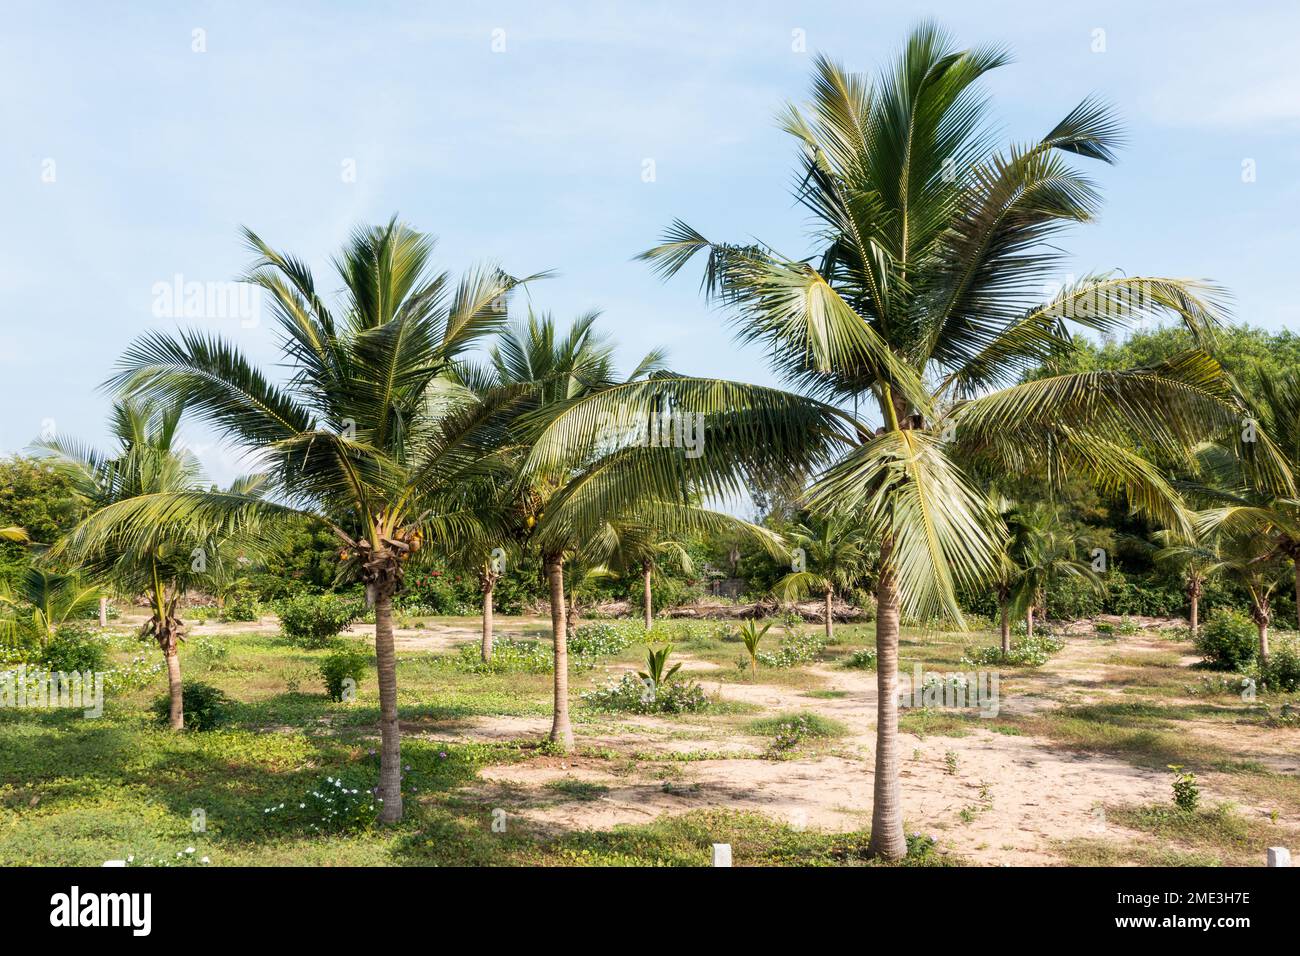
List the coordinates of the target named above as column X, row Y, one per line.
column 925, row 292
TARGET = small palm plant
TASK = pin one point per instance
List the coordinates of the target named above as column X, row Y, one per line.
column 657, row 673
column 752, row 634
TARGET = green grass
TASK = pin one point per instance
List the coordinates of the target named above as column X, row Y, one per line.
column 686, row 840
column 573, row 789
column 1219, row 832
column 1092, row 851
column 812, row 725
column 1145, row 659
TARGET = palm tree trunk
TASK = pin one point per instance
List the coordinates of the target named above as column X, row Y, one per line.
column 830, row 614
column 887, row 839
column 166, row 630
column 570, row 620
column 176, row 707
column 646, row 570
column 561, row 731
column 1029, row 623
column 1005, row 627
column 488, row 586
column 103, row 612
column 1195, row 618
column 1263, row 641
column 390, row 753
column 1297, row 591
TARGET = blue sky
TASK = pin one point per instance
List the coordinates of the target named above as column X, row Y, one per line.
column 534, row 155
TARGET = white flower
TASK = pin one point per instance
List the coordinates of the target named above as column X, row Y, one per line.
column 205, row 860
column 189, row 849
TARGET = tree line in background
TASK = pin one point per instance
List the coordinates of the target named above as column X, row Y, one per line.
column 947, row 443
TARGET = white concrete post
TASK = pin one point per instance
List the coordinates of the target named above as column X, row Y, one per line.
column 722, row 854
column 1279, row 856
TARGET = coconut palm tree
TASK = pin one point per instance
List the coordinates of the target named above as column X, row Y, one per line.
column 490, row 544
column 836, row 555
column 546, row 371
column 635, row 547
column 601, row 455
column 43, row 600
column 161, row 560
column 597, row 460
column 1255, row 563
column 922, row 300
column 1239, row 504
column 1197, row 557
column 371, row 434
column 1043, row 548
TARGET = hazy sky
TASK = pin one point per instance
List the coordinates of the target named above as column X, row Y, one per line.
column 535, row 155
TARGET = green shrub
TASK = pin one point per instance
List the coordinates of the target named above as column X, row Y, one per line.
column 242, row 606
column 1282, row 672
column 209, row 654
column 631, row 694
column 509, row 656
column 334, row 805
column 788, row 731
column 439, row 591
column 1186, row 793
column 348, row 662
column 313, row 620
column 74, row 648
column 602, row 638
column 1025, row 652
column 206, row 707
column 863, row 660
column 797, row 647
column 1228, row 640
